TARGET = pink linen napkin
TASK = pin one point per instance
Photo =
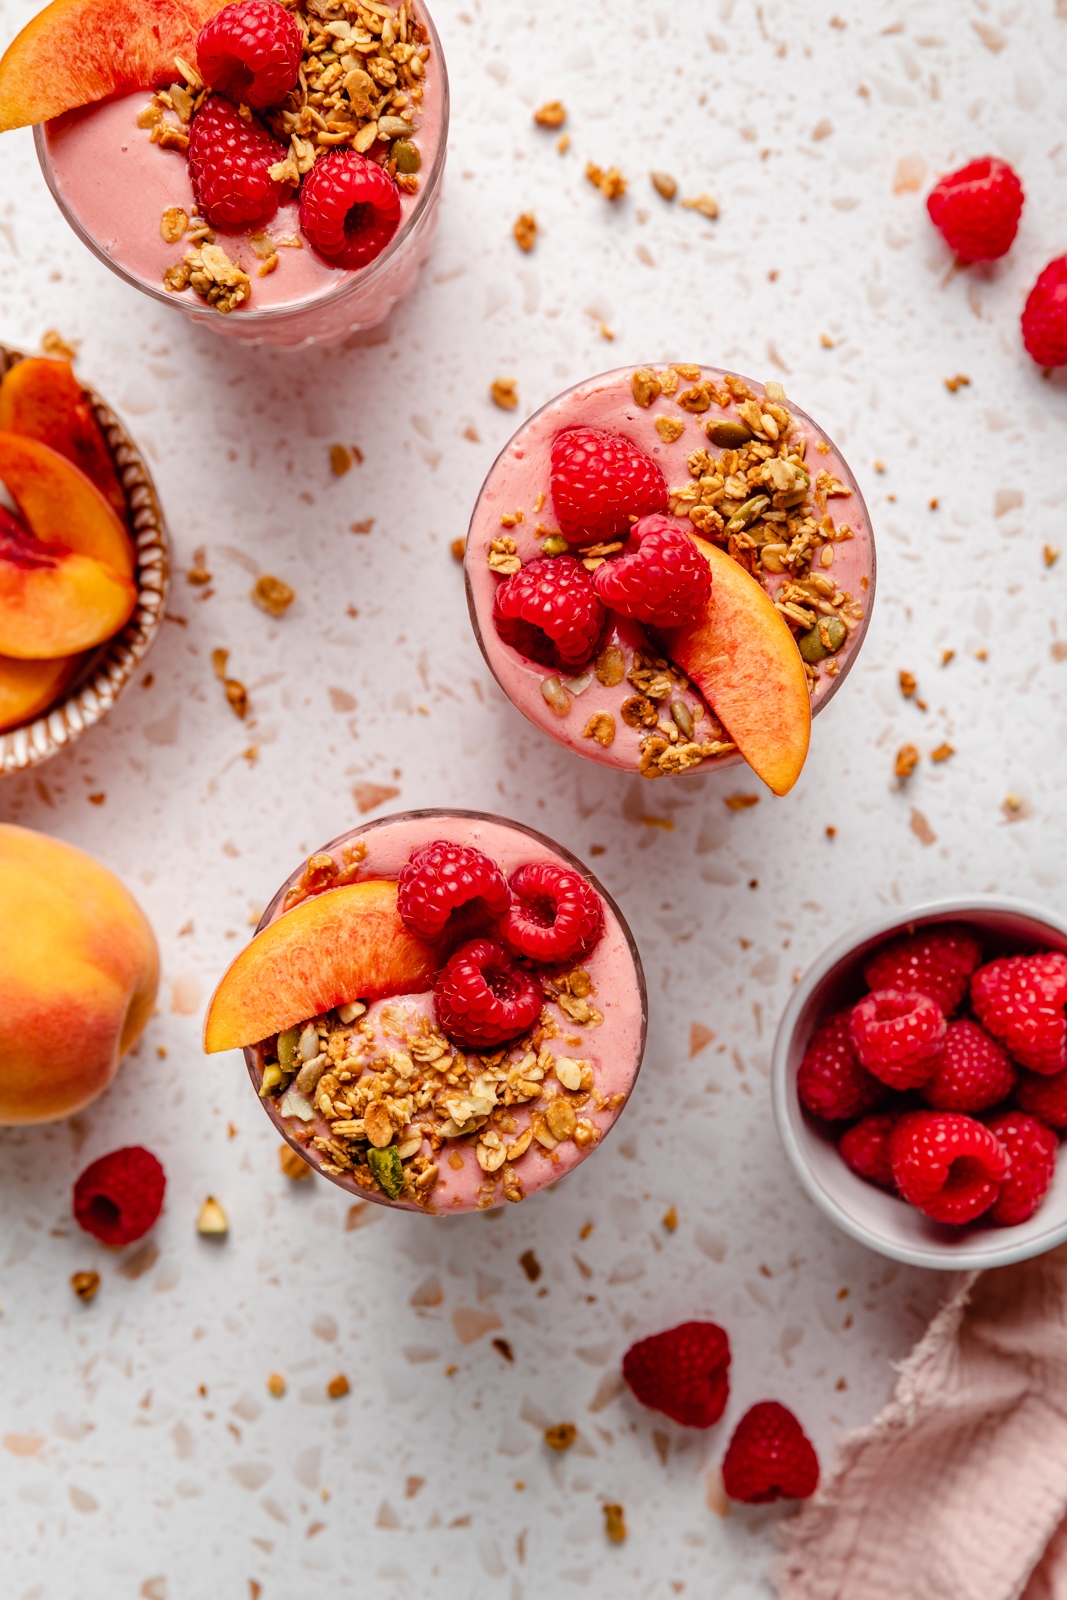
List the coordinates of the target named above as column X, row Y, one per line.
column 958, row 1489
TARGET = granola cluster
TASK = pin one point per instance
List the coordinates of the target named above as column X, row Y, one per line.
column 383, row 1099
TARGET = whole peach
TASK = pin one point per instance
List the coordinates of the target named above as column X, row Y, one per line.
column 79, row 970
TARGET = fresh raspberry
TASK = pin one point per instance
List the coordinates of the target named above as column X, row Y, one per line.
column 119, row 1197
column 947, row 1165
column 897, row 1034
column 1045, row 316
column 601, row 482
column 977, row 209
column 938, row 962
column 682, row 1372
column 1043, row 1096
column 549, row 611
column 770, row 1457
column 662, row 578
column 830, row 1081
column 439, row 878
column 349, row 208
column 483, row 998
column 1020, row 1001
column 251, row 53
column 1032, row 1148
column 865, row 1148
column 555, row 915
column 971, row 1073
column 229, row 163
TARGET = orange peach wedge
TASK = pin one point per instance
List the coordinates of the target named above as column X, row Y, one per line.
column 75, row 52
column 54, row 602
column 345, row 944
column 744, row 660
column 42, row 399
column 29, row 687
column 79, row 969
column 60, row 506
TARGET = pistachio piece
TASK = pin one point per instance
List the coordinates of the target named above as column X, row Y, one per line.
column 611, row 666
column 683, row 718
column 385, row 1165
column 287, row 1043
column 554, row 545
column 406, row 155
column 729, row 435
column 273, row 1078
column 747, row 513
column 825, row 639
column 556, row 696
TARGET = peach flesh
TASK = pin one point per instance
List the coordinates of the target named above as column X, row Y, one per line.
column 60, row 506
column 42, row 399
column 29, row 687
column 53, row 602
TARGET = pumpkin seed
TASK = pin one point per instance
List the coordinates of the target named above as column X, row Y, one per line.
column 747, row 513
column 406, row 155
column 287, row 1043
column 387, row 1169
column 825, row 639
column 729, row 435
column 554, row 545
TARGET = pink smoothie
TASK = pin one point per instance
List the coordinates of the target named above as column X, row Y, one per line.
column 113, row 187
column 602, row 1032
column 516, row 502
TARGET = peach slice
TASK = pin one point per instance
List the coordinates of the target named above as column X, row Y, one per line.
column 345, row 944
column 29, row 687
column 60, row 505
column 77, row 51
column 54, row 602
column 42, row 399
column 744, row 660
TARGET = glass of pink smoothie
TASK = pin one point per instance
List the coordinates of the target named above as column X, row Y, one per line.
column 481, row 1124
column 811, row 550
column 114, row 186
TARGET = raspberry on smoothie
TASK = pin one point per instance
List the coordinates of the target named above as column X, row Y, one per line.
column 442, row 1012
column 657, row 577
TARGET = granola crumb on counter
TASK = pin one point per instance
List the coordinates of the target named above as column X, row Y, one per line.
column 615, row 1524
column 611, row 183
column 551, row 115
column 273, row 596
column 525, row 231
column 504, row 392
column 705, row 204
column 906, row 762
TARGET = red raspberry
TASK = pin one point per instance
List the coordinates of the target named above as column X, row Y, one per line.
column 830, row 1081
column 600, row 483
column 977, row 209
column 938, row 961
column 971, row 1072
column 947, row 1165
column 1044, row 1096
column 1032, row 1148
column 865, row 1148
column 554, row 914
column 229, row 163
column 251, row 53
column 1045, row 316
column 549, row 611
column 662, row 578
column 897, row 1034
column 1020, row 1001
column 770, row 1457
column 119, row 1197
column 349, row 208
column 483, row 998
column 439, row 878
column 682, row 1372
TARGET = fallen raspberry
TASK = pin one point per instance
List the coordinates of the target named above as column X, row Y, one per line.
column 440, row 878
column 830, row 1081
column 770, row 1457
column 251, row 52
column 1045, row 316
column 483, row 998
column 897, row 1034
column 1032, row 1148
column 555, row 915
column 937, row 962
column 119, row 1197
column 865, row 1148
column 1044, row 1096
column 660, row 578
column 971, row 1071
column 549, row 611
column 229, row 164
column 601, row 482
column 349, row 209
column 1020, row 1001
column 977, row 209
column 947, row 1165
column 682, row 1372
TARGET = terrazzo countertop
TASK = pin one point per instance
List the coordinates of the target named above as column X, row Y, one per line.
column 142, row 1455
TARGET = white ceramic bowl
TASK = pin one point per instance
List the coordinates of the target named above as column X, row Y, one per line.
column 869, row 1214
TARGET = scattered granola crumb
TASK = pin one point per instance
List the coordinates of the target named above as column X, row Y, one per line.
column 645, row 386
column 459, row 548
column 960, row 381
column 212, row 1221
column 740, row 802
column 1015, row 808
column 293, row 1164
column 273, row 596
column 670, row 1219
column 601, row 728
column 276, row 1385
column 879, row 466
column 198, row 574
column 85, row 1284
column 947, row 656
column 664, row 184
column 213, row 276
column 504, row 392
column 237, row 695
column 666, row 823
column 705, row 204
column 54, row 344
column 670, row 428
column 942, row 752
column 173, row 223
column 611, row 183
column 97, row 799
column 908, row 684
column 981, row 655
column 530, row 1265
column 561, row 1436
column 552, row 114
column 606, row 332
column 934, row 503
column 362, row 527
column 826, row 341
column 525, row 231
column 219, row 659
column 615, row 1524
column 337, row 1387
column 268, row 266
column 1052, row 555
column 340, row 460
column 563, row 143
column 504, row 1348
column 831, row 832
column 906, row 762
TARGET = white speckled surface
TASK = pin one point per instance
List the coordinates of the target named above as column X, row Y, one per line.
column 118, row 1477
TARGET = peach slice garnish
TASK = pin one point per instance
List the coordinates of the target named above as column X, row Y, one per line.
column 54, row 602
column 742, row 657
column 60, row 506
column 75, row 52
column 345, row 944
column 42, row 399
column 28, row 687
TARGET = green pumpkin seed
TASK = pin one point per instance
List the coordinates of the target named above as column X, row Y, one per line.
column 273, row 1078
column 287, row 1043
column 406, row 155
column 747, row 513
column 554, row 545
column 729, row 435
column 825, row 639
column 386, row 1167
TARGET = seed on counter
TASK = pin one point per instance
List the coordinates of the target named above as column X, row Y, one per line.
column 664, row 184
column 85, row 1284
column 276, row 1385
column 212, row 1221
column 706, row 204
column 561, row 1436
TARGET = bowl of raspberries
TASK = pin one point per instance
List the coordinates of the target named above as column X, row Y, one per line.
column 920, row 1083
